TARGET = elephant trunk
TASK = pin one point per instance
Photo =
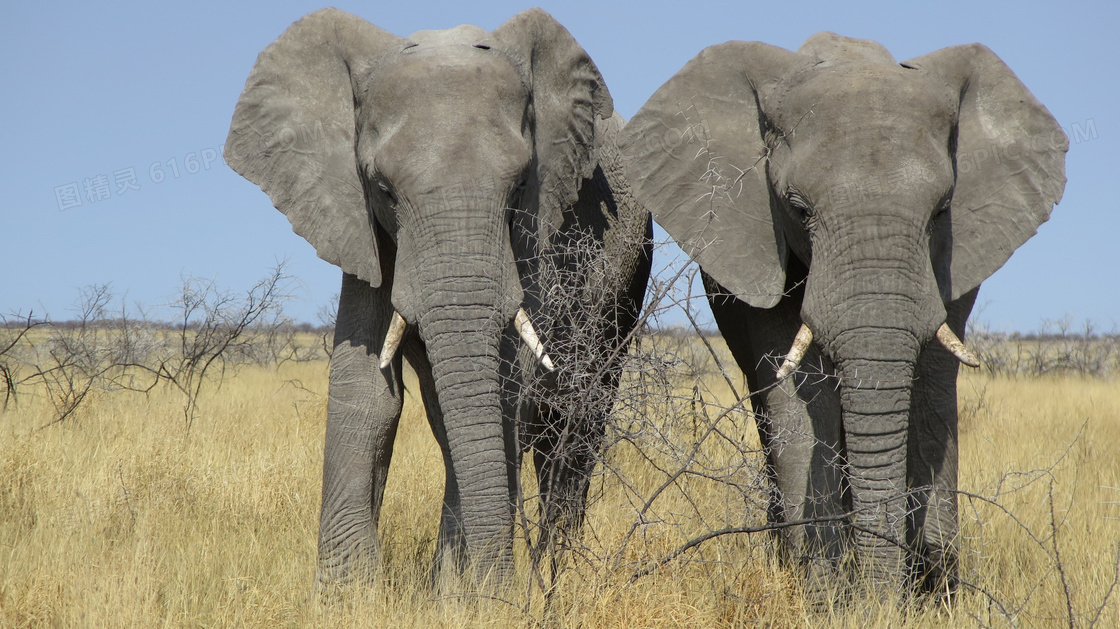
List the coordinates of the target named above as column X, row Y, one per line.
column 875, row 397
column 459, row 286
column 463, row 344
column 871, row 316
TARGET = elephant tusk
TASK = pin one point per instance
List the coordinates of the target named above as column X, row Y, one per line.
column 956, row 346
column 529, row 335
column 392, row 339
column 796, row 352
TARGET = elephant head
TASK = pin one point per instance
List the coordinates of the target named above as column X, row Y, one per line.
column 432, row 168
column 898, row 188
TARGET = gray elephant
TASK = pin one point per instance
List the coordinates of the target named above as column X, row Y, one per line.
column 469, row 186
column 844, row 209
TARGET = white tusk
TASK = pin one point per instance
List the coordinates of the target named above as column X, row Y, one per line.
column 956, row 346
column 392, row 339
column 796, row 352
column 529, row 335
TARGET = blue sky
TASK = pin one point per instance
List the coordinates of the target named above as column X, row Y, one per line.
column 142, row 95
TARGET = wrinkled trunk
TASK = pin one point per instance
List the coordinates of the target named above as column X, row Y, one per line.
column 462, row 344
column 875, row 396
column 462, row 294
column 871, row 314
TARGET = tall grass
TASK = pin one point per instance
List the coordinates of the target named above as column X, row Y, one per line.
column 123, row 517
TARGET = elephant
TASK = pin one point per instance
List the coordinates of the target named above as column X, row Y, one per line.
column 469, row 185
column 844, row 209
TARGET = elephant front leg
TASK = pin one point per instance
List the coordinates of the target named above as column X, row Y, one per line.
column 363, row 411
column 565, row 451
column 933, row 519
column 450, row 560
column 799, row 428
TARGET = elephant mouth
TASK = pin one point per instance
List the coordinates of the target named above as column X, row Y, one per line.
column 521, row 321
column 804, row 338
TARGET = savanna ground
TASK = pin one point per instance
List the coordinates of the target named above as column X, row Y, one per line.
column 122, row 516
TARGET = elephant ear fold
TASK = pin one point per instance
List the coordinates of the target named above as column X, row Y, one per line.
column 1010, row 163
column 695, row 155
column 568, row 96
column 293, row 134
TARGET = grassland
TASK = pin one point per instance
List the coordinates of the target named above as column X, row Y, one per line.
column 121, row 517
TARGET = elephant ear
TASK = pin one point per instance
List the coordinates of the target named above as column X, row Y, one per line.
column 695, row 155
column 568, row 95
column 1010, row 162
column 293, row 134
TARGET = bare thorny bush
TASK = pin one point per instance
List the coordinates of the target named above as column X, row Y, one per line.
column 77, row 358
column 210, row 331
column 678, row 465
column 13, row 331
column 675, row 432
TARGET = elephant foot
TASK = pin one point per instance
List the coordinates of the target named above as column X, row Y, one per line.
column 933, row 575
column 334, row 579
column 450, row 563
column 453, row 571
column 549, row 555
column 449, row 570
column 827, row 584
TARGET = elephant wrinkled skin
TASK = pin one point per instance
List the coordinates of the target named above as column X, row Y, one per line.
column 837, row 192
column 461, row 179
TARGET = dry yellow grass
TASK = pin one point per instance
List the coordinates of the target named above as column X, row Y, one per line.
column 120, row 517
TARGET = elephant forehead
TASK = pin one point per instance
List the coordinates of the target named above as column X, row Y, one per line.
column 870, row 127
column 831, row 48
column 888, row 102
column 462, row 35
column 447, row 73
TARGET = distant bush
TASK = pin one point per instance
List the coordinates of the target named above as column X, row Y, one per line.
column 1057, row 349
column 208, row 332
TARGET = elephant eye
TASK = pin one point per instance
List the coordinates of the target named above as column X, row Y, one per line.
column 387, row 191
column 517, row 193
column 802, row 208
column 799, row 203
